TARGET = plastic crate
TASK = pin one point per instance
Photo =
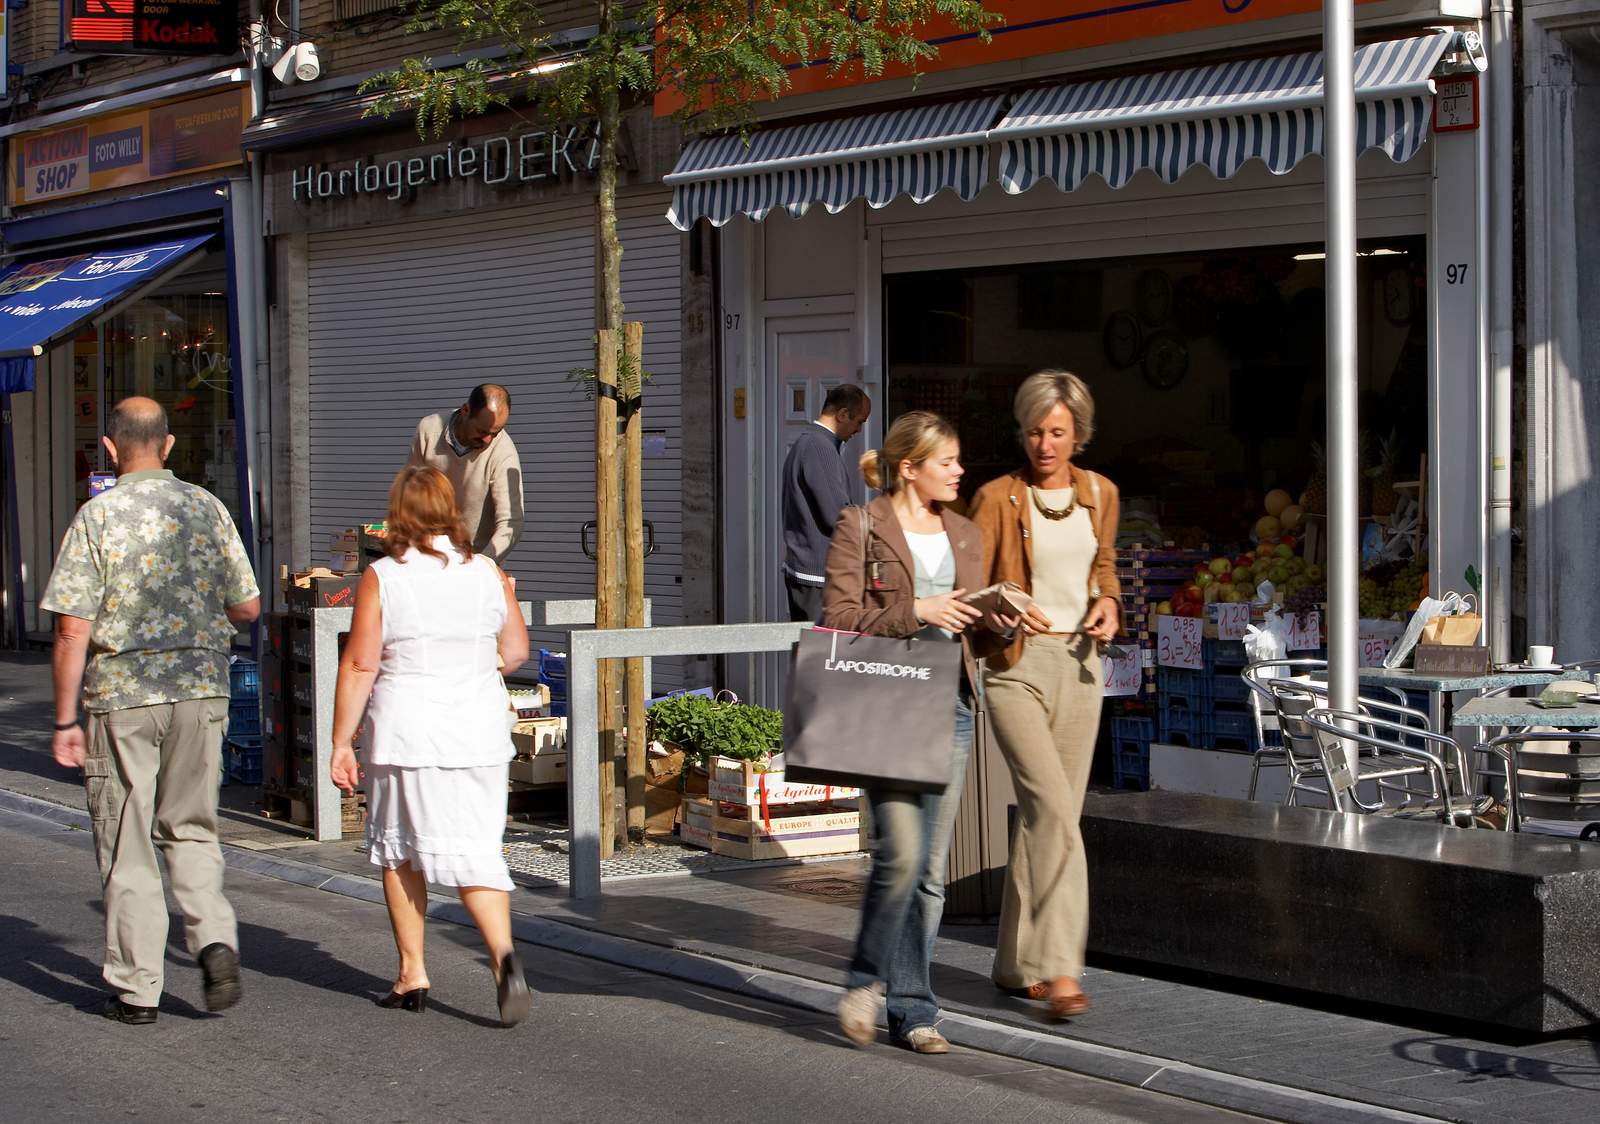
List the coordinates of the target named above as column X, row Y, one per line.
column 1224, row 653
column 244, row 717
column 244, row 680
column 1130, row 764
column 242, row 756
column 1133, row 728
column 1233, row 729
column 1181, row 726
column 553, row 674
column 1229, row 687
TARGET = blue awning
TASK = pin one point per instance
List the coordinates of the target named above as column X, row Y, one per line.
column 42, row 302
column 1219, row 116
column 918, row 152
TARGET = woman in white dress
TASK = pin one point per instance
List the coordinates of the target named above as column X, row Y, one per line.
column 434, row 628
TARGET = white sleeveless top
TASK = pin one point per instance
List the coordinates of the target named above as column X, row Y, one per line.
column 439, row 699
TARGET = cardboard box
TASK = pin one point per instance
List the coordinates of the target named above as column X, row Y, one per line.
column 737, row 782
column 322, row 592
column 547, row 768
column 537, row 736
column 741, row 833
column 532, row 701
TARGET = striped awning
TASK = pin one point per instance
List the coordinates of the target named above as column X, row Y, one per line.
column 918, row 152
column 1219, row 117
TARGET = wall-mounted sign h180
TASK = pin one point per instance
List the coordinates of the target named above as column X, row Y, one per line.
column 154, row 27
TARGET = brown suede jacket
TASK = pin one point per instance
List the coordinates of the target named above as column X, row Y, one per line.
column 1004, row 517
column 872, row 583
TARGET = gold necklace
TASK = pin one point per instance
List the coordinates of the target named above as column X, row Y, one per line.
column 1053, row 513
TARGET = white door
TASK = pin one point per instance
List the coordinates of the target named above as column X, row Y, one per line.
column 805, row 357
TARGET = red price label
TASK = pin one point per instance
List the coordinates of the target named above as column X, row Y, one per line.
column 1373, row 650
column 1305, row 631
column 1178, row 643
column 1232, row 620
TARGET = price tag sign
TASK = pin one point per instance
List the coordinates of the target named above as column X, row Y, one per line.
column 1305, row 631
column 1178, row 643
column 1373, row 650
column 1124, row 673
column 1232, row 621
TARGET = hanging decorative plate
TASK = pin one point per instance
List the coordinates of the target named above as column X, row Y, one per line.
column 1123, row 339
column 1166, row 360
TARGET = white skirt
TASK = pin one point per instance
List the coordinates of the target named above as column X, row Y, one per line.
column 447, row 823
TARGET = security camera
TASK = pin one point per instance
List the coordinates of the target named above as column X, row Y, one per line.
column 306, row 66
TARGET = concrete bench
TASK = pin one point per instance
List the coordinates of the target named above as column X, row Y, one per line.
column 1494, row 927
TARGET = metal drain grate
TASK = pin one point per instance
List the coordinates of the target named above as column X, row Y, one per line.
column 832, row 889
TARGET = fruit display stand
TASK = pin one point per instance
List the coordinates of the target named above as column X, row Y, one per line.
column 751, row 813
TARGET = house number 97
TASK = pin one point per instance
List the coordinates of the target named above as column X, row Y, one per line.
column 1456, row 274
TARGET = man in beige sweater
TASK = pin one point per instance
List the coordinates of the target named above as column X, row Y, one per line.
column 471, row 447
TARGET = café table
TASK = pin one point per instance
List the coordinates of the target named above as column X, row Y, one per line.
column 1522, row 713
column 1446, row 686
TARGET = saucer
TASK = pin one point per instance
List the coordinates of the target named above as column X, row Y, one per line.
column 1547, row 667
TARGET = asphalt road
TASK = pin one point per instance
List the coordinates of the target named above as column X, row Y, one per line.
column 307, row 1044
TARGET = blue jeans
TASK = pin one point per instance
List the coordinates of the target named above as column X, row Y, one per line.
column 905, row 893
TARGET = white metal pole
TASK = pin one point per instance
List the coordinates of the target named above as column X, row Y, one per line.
column 1344, row 548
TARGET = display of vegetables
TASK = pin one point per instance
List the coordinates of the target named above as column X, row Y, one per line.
column 705, row 728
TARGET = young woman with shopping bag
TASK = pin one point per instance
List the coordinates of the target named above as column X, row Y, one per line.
column 898, row 568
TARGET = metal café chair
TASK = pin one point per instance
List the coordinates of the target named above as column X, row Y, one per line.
column 1387, row 757
column 1551, row 775
column 1304, row 753
column 1264, row 711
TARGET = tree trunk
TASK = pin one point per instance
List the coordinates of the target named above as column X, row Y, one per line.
column 633, row 537
column 608, row 570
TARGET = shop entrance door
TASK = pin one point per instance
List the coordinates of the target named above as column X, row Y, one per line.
column 807, row 356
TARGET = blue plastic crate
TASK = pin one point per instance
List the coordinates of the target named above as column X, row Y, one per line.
column 1181, row 726
column 1133, row 728
column 242, row 756
column 244, row 717
column 1229, row 687
column 1130, row 764
column 244, row 680
column 1224, row 653
column 1233, row 729
column 553, row 674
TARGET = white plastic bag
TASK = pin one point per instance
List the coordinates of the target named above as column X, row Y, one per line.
column 1269, row 640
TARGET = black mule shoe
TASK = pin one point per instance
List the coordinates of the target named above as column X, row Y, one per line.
column 118, row 1011
column 512, row 991
column 414, row 1000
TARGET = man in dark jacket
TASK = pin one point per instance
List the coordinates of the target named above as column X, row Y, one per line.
column 816, row 489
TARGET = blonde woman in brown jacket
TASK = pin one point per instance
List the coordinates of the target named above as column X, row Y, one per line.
column 898, row 567
column 1052, row 529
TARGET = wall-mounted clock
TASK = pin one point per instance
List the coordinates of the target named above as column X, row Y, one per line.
column 1123, row 339
column 1154, row 297
column 1166, row 360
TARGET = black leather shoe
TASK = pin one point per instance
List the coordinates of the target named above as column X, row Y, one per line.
column 512, row 991
column 220, row 965
column 414, row 1000
column 118, row 1011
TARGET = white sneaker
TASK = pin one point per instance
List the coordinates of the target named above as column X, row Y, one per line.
column 858, row 1014
column 927, row 1040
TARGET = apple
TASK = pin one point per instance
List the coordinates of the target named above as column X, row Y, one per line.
column 1204, row 578
column 1164, row 609
column 1244, row 561
column 1220, row 566
column 1225, row 578
column 1242, row 576
column 1283, row 550
column 1278, row 574
column 1268, row 527
column 1290, row 541
column 1314, row 572
column 1192, row 592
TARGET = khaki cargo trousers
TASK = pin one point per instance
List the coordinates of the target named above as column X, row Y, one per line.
column 1044, row 713
column 151, row 774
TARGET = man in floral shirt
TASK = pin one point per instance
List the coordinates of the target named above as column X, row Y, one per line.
column 150, row 581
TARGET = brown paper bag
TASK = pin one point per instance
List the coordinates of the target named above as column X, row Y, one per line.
column 1460, row 630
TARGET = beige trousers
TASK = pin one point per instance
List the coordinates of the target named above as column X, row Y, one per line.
column 151, row 775
column 1044, row 712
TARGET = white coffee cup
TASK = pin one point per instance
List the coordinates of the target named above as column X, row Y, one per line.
column 1541, row 655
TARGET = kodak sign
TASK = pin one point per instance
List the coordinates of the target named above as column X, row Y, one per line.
column 154, row 27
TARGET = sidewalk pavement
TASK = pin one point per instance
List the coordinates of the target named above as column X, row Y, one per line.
column 786, row 933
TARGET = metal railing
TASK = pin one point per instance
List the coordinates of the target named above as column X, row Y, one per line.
column 583, row 713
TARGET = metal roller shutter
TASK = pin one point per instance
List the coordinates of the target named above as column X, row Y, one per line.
column 405, row 319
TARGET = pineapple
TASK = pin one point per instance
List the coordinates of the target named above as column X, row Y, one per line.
column 1384, row 497
column 1315, row 498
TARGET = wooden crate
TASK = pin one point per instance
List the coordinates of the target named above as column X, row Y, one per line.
column 741, row 832
column 734, row 781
